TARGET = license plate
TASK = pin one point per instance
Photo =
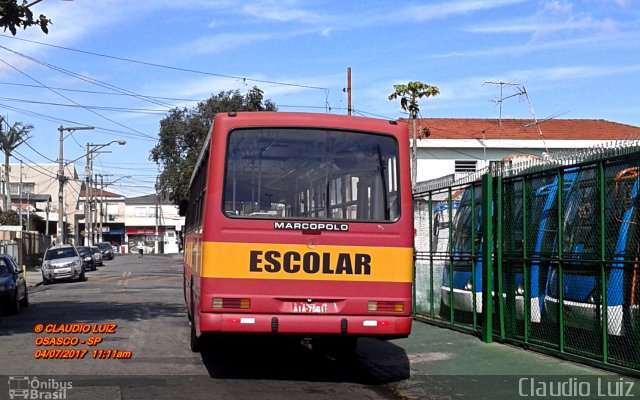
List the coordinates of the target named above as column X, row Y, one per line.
column 312, row 308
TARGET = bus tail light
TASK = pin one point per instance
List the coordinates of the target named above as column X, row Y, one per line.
column 243, row 304
column 393, row 306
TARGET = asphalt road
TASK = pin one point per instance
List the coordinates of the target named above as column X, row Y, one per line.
column 137, row 347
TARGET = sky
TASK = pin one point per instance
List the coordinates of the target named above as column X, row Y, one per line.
column 120, row 65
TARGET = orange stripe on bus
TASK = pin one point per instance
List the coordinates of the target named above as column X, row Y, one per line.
column 278, row 261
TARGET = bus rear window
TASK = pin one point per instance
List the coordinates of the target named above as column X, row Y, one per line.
column 322, row 174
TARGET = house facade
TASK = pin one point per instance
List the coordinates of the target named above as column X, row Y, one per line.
column 155, row 221
column 34, row 192
column 448, row 148
column 105, row 216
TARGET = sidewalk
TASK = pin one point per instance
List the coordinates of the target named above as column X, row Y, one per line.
column 439, row 363
column 33, row 276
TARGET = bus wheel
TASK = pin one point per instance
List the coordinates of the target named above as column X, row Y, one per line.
column 194, row 341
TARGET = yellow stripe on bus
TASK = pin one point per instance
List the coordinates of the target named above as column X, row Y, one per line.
column 279, row 261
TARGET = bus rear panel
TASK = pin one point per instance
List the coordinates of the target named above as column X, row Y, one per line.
column 302, row 225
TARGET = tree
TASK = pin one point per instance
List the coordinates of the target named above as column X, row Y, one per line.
column 182, row 134
column 9, row 217
column 15, row 136
column 14, row 16
column 409, row 95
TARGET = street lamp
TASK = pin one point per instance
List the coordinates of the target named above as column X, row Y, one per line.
column 92, row 148
column 102, row 185
column 61, row 177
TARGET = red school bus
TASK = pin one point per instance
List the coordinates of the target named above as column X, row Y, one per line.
column 300, row 224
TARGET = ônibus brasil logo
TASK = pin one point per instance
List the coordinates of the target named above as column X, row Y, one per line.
column 24, row 387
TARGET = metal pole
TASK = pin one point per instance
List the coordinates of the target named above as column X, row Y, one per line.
column 28, row 213
column 101, row 207
column 94, row 219
column 46, row 227
column 87, row 203
column 487, row 262
column 20, row 194
column 60, row 235
column 61, row 178
column 603, row 255
column 157, row 200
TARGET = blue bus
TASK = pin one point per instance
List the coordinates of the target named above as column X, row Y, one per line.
column 464, row 257
column 541, row 215
column 583, row 301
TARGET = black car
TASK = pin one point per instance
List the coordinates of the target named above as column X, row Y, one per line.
column 106, row 249
column 13, row 286
column 88, row 262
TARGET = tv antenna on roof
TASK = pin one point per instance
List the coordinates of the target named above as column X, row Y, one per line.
column 520, row 90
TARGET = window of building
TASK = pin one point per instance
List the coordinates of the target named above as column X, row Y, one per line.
column 466, row 165
column 141, row 211
column 27, row 187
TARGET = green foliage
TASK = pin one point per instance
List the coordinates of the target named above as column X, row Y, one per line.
column 14, row 137
column 410, row 93
column 9, row 141
column 14, row 16
column 9, row 217
column 182, row 134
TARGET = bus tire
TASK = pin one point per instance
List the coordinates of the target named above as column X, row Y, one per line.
column 184, row 287
column 189, row 305
column 195, row 342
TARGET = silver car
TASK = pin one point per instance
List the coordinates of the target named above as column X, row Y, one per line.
column 62, row 262
column 97, row 255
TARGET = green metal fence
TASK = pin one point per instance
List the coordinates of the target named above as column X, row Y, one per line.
column 548, row 257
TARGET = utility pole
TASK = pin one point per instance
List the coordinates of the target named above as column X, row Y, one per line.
column 20, row 194
column 28, row 213
column 46, row 227
column 94, row 219
column 89, row 219
column 62, row 179
column 157, row 200
column 349, row 91
column 87, row 202
column 101, row 207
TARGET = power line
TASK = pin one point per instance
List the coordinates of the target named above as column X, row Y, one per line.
column 103, row 108
column 98, row 92
column 63, row 96
column 45, row 117
column 241, row 78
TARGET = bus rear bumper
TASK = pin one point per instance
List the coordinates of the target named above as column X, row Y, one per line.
column 304, row 324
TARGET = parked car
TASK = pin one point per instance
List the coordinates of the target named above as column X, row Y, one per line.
column 97, row 255
column 106, row 249
column 13, row 286
column 88, row 261
column 62, row 262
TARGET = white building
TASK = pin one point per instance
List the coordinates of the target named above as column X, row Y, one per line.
column 106, row 220
column 155, row 221
column 39, row 182
column 449, row 147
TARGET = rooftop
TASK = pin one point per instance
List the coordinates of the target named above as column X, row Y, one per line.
column 525, row 129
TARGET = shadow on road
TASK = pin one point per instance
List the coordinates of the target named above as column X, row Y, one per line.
column 71, row 312
column 285, row 358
